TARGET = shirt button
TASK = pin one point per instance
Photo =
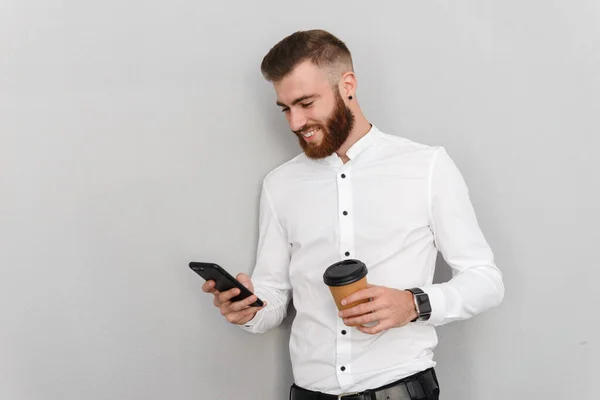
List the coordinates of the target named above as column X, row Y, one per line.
column 347, row 253
column 343, row 176
column 345, row 213
column 343, row 368
column 344, row 332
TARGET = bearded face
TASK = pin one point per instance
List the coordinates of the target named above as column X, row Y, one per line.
column 322, row 139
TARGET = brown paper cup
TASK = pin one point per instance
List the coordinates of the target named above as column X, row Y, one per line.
column 345, row 278
column 341, row 292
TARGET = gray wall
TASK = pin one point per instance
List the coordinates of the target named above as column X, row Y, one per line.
column 135, row 135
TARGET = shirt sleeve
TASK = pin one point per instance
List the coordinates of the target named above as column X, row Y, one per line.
column 476, row 283
column 271, row 274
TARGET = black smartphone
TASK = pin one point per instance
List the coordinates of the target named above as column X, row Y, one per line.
column 223, row 280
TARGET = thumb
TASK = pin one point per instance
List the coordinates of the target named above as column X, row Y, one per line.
column 245, row 280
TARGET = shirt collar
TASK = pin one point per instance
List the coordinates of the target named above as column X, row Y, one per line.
column 361, row 145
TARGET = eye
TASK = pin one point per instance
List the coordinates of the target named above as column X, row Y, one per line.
column 307, row 105
column 284, row 110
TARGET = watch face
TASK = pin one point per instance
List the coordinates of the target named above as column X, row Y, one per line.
column 423, row 303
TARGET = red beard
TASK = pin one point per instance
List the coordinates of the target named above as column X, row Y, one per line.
column 339, row 125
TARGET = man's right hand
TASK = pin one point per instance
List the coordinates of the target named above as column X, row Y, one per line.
column 238, row 312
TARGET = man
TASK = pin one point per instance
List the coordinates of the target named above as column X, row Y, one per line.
column 358, row 193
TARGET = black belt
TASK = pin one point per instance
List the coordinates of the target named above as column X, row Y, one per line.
column 421, row 385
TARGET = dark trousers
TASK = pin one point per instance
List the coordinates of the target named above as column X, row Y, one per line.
column 420, row 386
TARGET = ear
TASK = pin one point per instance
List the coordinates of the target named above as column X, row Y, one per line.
column 348, row 84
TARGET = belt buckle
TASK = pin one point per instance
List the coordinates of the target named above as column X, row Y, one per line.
column 341, row 396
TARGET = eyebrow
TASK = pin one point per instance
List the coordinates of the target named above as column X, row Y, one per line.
column 299, row 99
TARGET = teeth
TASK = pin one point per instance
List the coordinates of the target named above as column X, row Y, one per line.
column 309, row 133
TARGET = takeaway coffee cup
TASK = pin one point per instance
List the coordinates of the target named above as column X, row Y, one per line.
column 344, row 278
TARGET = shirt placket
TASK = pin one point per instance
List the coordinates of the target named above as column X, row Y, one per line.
column 346, row 228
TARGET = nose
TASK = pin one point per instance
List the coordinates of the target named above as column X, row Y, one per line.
column 296, row 119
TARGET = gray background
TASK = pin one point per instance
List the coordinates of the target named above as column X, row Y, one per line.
column 135, row 135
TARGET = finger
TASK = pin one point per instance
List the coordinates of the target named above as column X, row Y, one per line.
column 244, row 279
column 208, row 286
column 362, row 319
column 360, row 309
column 240, row 305
column 228, row 295
column 216, row 301
column 373, row 330
column 363, row 294
column 230, row 307
column 241, row 317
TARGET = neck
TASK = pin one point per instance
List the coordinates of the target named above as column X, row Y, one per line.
column 361, row 128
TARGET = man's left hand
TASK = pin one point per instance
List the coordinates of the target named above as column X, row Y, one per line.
column 391, row 307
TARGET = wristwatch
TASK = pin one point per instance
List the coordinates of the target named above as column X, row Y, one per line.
column 422, row 304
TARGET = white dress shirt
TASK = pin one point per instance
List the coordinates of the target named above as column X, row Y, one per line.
column 404, row 201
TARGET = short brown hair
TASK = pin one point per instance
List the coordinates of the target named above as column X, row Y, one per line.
column 319, row 46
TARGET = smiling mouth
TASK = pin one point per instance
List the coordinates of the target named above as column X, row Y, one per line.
column 308, row 135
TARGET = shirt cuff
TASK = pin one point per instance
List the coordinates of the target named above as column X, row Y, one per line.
column 438, row 304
